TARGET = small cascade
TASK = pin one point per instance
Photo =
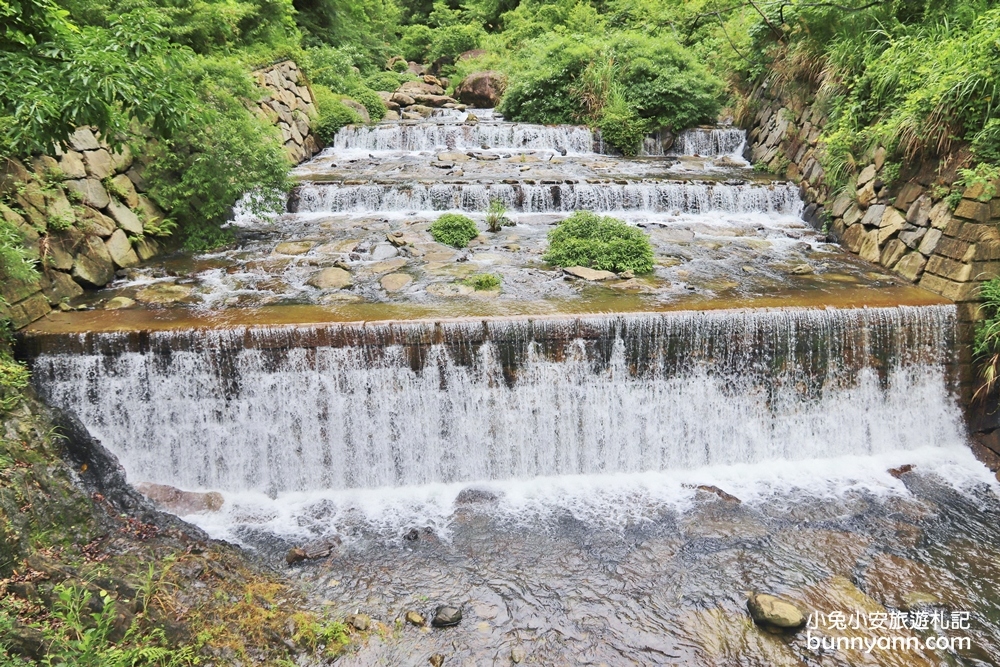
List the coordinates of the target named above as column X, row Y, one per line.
column 657, row 196
column 459, row 137
column 298, row 408
column 710, row 142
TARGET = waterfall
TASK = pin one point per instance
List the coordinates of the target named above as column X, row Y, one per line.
column 458, row 137
column 659, row 196
column 711, row 142
column 297, row 408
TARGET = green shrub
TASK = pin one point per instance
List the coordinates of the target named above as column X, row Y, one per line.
column 586, row 239
column 483, row 281
column 540, row 89
column 416, row 42
column 986, row 344
column 452, row 40
column 370, row 100
column 387, row 81
column 621, row 126
column 13, row 381
column 332, row 114
column 496, row 216
column 16, row 261
column 454, row 229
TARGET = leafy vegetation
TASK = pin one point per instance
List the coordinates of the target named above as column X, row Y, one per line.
column 454, row 229
column 496, row 216
column 483, row 281
column 605, row 243
column 986, row 344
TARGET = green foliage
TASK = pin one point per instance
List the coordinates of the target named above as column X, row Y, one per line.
column 586, row 239
column 452, row 40
column 986, row 343
column 496, row 216
column 454, row 229
column 416, row 41
column 199, row 173
column 333, row 114
column 114, row 189
column 315, row 634
column 16, row 261
column 483, row 281
column 621, row 126
column 386, row 81
column 370, row 100
column 13, row 381
column 81, row 638
column 984, row 176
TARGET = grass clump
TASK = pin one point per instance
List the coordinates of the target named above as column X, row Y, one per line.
column 454, row 229
column 986, row 344
column 605, row 243
column 482, row 282
column 496, row 216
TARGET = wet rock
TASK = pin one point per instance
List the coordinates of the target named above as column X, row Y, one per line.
column 360, row 622
column 121, row 250
column 331, row 278
column 900, row 471
column 125, row 218
column 414, row 88
column 312, row 550
column 294, row 247
column 93, row 266
column 588, row 274
column 728, row 497
column 394, row 282
column 799, row 270
column 773, row 611
column 914, row 600
column 449, row 289
column 446, row 616
column 163, row 293
column 119, row 302
column 384, row 251
column 453, row 157
column 472, row 495
column 295, row 555
column 436, row 660
column 181, row 502
column 414, row 618
column 517, row 655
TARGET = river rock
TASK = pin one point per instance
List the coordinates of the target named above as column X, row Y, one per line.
column 414, row 88
column 436, row 660
column 422, row 110
column 416, row 619
column 360, row 622
column 446, row 616
column 394, row 282
column 331, row 278
column 181, row 502
column 517, row 655
column 164, row 293
column 294, row 247
column 359, row 108
column 119, row 302
column 433, row 100
column 481, row 89
column 384, row 251
column 588, row 274
column 773, row 611
column 449, row 289
column 402, row 99
column 473, row 495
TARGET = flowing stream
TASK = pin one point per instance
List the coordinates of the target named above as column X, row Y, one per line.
column 594, row 484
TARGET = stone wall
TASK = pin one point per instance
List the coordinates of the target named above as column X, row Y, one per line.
column 83, row 212
column 289, row 104
column 908, row 227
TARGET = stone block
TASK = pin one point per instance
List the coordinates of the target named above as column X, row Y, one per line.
column 136, row 174
column 930, row 241
column 960, row 272
column 940, row 215
column 852, row 215
column 974, row 191
column 870, row 247
column 13, row 291
column 33, row 308
column 122, row 159
column 146, row 248
column 986, row 250
column 985, row 270
column 908, row 194
column 840, row 205
column 873, row 216
column 854, row 237
column 975, row 233
column 125, row 218
column 892, row 221
column 949, row 288
column 99, row 164
column 83, row 139
column 866, row 176
column 891, row 253
column 121, row 251
column 61, row 286
column 94, row 222
column 955, row 249
column 90, row 190
column 866, row 194
column 976, row 211
column 93, row 266
column 912, row 236
column 126, row 188
column 919, row 212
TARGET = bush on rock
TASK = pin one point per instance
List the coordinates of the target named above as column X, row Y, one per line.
column 454, row 229
column 604, row 243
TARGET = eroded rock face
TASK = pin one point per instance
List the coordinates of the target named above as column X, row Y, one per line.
column 181, row 502
column 481, row 89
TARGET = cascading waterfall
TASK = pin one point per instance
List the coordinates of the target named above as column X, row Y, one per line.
column 459, row 137
column 277, row 409
column 710, row 142
column 684, row 197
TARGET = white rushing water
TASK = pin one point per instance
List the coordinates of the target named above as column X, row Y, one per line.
column 682, row 197
column 275, row 410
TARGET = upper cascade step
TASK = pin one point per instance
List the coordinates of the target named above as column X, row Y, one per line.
column 657, row 196
column 437, row 135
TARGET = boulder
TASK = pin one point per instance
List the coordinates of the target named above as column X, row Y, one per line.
column 93, row 266
column 360, row 622
column 390, row 115
column 481, row 89
column 413, row 88
column 416, row 68
column 126, row 189
column 71, row 165
column 866, row 175
column 588, row 274
column 436, row 101
column 421, row 110
column 294, row 247
column 61, row 286
column 83, row 139
column 359, row 108
column 446, row 616
column 119, row 302
column 146, row 248
column 181, row 502
column 772, row 611
column 384, row 251
column 121, row 250
column 402, row 99
column 331, row 278
column 415, row 618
